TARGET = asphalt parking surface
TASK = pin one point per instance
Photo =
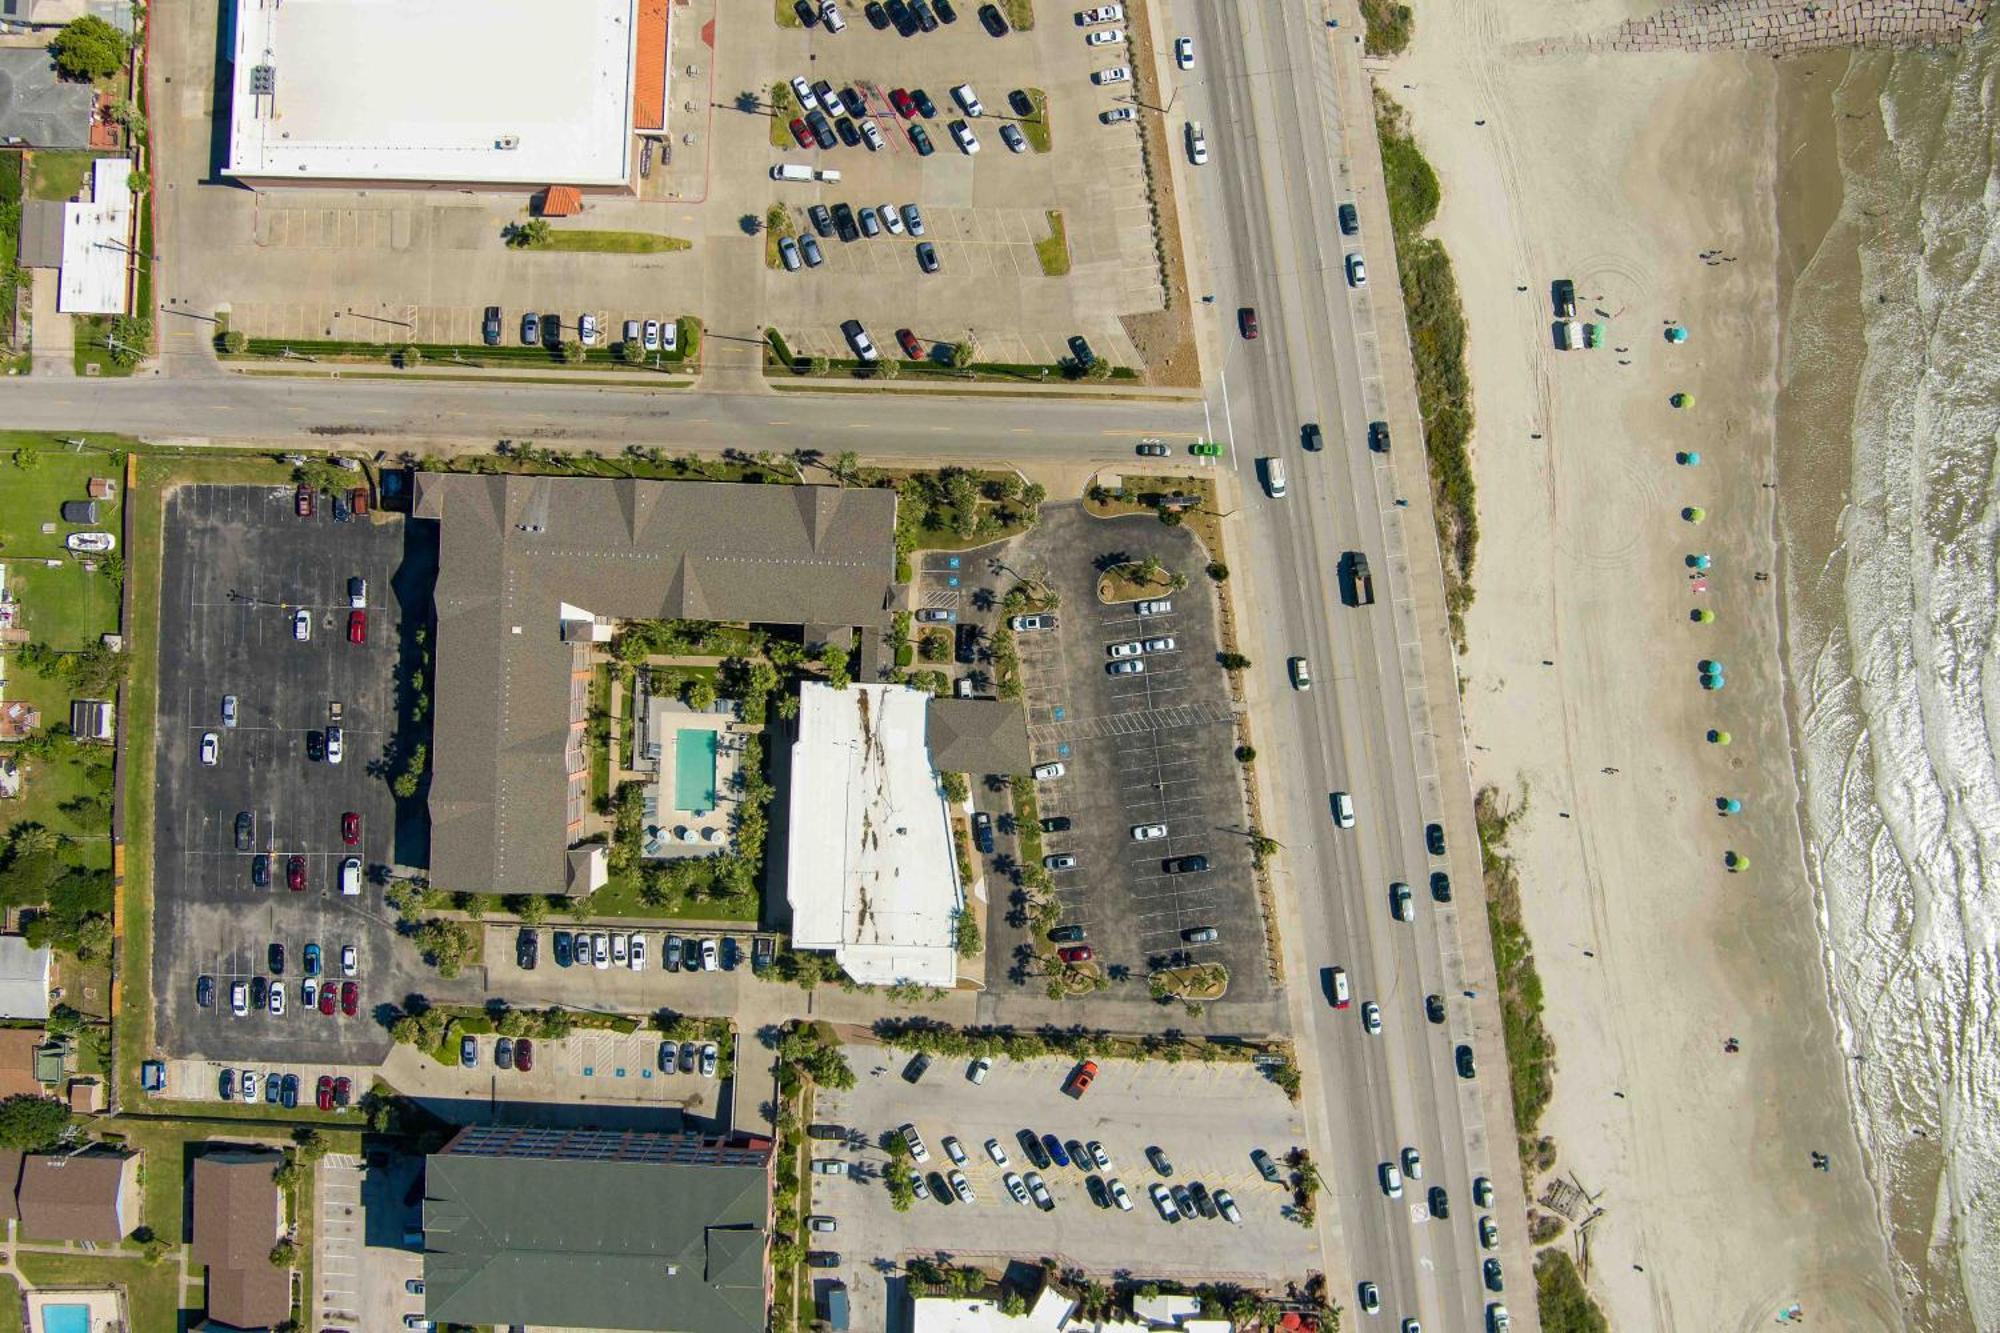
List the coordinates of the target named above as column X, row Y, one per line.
column 1152, row 748
column 237, row 563
column 1207, row 1118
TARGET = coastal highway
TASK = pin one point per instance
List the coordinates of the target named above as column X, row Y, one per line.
column 349, row 412
column 1266, row 88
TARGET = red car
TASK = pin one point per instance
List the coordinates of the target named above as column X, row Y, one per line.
column 350, row 998
column 1080, row 1078
column 801, row 133
column 350, row 828
column 327, row 1000
column 303, row 501
column 524, row 1054
column 911, row 347
column 343, row 1090
column 323, row 1096
column 906, row 106
column 295, row 873
column 357, row 627
column 1246, row 321
column 1076, row 953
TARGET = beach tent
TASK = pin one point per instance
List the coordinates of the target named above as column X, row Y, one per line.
column 1688, row 458
column 1676, row 334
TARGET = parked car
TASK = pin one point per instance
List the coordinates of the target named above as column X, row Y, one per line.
column 302, row 624
column 1118, row 115
column 209, row 746
column 503, row 1053
column 531, row 329
column 1197, row 144
column 1350, row 221
column 1357, row 271
column 1184, row 52
column 1105, row 37
column 489, row 329
column 1185, row 865
column 1010, row 134
column 992, row 20
column 962, row 135
column 921, row 141
column 927, row 260
column 1076, row 953
column 295, row 874
column 468, row 1051
column 260, row 870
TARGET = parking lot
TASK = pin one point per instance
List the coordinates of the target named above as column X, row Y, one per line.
column 1139, row 750
column 983, row 212
column 238, row 566
column 1206, row 1118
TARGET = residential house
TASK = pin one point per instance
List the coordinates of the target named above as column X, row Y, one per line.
column 238, row 1218
column 91, row 1195
column 24, row 979
column 91, row 719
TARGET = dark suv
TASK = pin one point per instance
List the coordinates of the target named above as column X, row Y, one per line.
column 245, row 826
column 1184, row 865
column 490, row 327
column 528, row 949
column 1378, row 436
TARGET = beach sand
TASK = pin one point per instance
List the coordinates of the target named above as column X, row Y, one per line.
column 1617, row 171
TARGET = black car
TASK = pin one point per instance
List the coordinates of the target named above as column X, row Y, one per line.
column 1441, row 886
column 490, row 328
column 246, row 825
column 204, row 991
column 1056, row 824
column 1465, row 1065
column 1032, row 1146
column 527, row 949
column 1098, row 1194
column 828, row 1133
column 551, row 329
column 991, row 20
column 1434, row 1008
column 1161, row 1162
column 1350, row 221
column 822, row 1259
column 275, row 956
column 1378, row 440
column 843, row 223
column 808, row 12
column 1440, row 1203
column 1068, row 935
column 824, row 92
column 925, row 107
column 1023, row 104
column 844, row 127
column 260, row 870
column 927, row 259
column 288, row 1093
column 1079, row 352
column 945, row 13
column 260, row 993
column 878, row 18
column 1203, row 1204
column 852, row 101
column 226, row 1085
column 940, row 1191
column 531, row 329
column 821, row 127
column 982, row 831
column 315, row 745
column 821, row 220
column 925, row 19
column 1184, row 865
column 921, row 141
column 913, row 1072
column 900, row 15
column 1434, row 839
column 564, row 953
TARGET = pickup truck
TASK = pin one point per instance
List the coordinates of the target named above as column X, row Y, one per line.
column 1361, row 585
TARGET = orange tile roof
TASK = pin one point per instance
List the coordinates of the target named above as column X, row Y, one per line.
column 649, row 80
column 561, row 201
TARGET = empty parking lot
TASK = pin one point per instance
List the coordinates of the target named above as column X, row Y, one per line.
column 1206, row 1118
column 238, row 567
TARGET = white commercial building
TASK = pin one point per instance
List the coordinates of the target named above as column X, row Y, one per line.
column 97, row 243
column 431, row 92
column 872, row 873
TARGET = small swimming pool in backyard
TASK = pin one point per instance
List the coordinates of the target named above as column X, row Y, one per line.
column 694, row 770
column 65, row 1319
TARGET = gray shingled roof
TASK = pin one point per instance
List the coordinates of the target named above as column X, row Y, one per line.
column 577, row 1243
column 512, row 549
column 36, row 106
column 977, row 736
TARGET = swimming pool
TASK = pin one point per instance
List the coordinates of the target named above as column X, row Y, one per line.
column 65, row 1319
column 694, row 770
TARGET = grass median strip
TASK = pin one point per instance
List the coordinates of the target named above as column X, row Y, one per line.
column 1036, row 123
column 613, row 242
column 1053, row 252
column 784, row 110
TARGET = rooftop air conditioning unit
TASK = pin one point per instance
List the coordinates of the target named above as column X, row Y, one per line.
column 508, row 141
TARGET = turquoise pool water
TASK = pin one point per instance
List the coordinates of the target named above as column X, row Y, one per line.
column 694, row 770
column 65, row 1319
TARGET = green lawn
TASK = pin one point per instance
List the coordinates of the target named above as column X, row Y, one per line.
column 65, row 607
column 10, row 1305
column 92, row 347
column 150, row 1289
column 1036, row 124
column 1054, row 252
column 10, row 237
column 784, row 104
column 613, row 242
column 58, row 176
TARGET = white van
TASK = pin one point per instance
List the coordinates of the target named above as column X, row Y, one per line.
column 1343, row 809
column 795, row 171
column 350, row 877
column 1274, row 476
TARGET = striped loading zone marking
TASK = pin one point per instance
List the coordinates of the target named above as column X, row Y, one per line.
column 1134, row 723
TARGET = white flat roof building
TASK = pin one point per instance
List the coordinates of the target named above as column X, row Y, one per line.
column 505, row 93
column 97, row 243
column 872, row 873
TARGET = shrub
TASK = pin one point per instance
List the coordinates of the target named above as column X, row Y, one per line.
column 88, row 48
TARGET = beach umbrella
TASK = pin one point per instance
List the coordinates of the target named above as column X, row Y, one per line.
column 1698, row 560
column 1682, row 399
column 1735, row 861
column 1718, row 737
column 1728, row 805
column 1707, row 665
column 1699, row 585
column 1702, row 616
column 1676, row 334
column 1694, row 514
column 1714, row 682
column 1688, row 458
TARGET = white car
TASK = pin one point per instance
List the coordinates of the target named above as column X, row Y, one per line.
column 209, row 742
column 600, row 952
column 1126, row 668
column 350, row 960
column 1116, row 74
column 711, row 956
column 967, row 100
column 1043, row 772
column 1371, row 1018
column 239, row 998
column 1131, row 648
column 1357, row 272
column 1100, row 1158
column 334, row 746
column 1197, row 144
column 1105, row 37
column 804, row 92
column 277, row 997
column 1043, row 1199
column 830, row 16
column 652, row 335
column 635, row 952
column 962, row 135
column 871, row 136
column 977, row 1074
column 915, row 1143
column 1392, row 1180
column 999, row 1154
column 1158, row 606
column 586, row 330
column 892, row 219
column 1015, row 1188
column 1413, row 1164
column 302, row 624
column 1100, row 14
column 955, row 1150
column 249, row 1085
column 1184, row 52
column 357, row 594
column 1118, row 115
column 1148, row 832
column 1302, row 676
column 1225, row 1203
column 1165, row 1203
column 309, row 993
column 961, row 1187
column 709, row 1056
column 1165, row 645
column 1118, row 1194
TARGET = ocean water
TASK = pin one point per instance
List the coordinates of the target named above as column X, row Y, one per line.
column 1889, row 428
